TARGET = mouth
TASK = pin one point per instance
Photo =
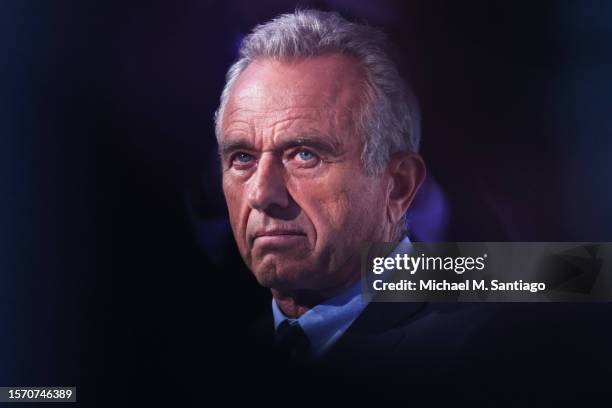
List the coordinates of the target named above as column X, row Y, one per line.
column 278, row 237
column 275, row 233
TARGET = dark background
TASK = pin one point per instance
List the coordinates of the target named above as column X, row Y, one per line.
column 117, row 268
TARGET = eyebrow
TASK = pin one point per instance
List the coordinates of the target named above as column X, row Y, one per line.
column 226, row 148
column 317, row 142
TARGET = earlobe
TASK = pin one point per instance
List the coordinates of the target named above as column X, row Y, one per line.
column 407, row 172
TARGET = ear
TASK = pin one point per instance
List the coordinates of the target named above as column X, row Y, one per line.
column 406, row 173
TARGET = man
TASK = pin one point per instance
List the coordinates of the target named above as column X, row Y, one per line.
column 318, row 136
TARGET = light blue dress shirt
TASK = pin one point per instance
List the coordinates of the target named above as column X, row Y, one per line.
column 325, row 323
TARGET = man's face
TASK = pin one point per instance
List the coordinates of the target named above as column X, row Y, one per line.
column 299, row 201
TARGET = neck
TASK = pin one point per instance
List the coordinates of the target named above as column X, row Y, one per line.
column 294, row 303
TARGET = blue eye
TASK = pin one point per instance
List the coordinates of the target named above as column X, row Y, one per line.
column 305, row 155
column 243, row 157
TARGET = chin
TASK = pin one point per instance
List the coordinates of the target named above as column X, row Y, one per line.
column 281, row 279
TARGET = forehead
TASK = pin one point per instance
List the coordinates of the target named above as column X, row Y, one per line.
column 322, row 91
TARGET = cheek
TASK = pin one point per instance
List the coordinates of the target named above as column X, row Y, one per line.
column 335, row 210
column 234, row 198
column 343, row 205
column 231, row 196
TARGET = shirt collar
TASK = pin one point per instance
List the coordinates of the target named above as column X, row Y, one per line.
column 327, row 321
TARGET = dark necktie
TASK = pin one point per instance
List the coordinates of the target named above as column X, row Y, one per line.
column 291, row 341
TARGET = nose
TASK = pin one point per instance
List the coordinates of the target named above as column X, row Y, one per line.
column 267, row 186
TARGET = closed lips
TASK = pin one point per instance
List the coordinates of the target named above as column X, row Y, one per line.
column 273, row 233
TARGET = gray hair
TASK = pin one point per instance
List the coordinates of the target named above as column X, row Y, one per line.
column 389, row 120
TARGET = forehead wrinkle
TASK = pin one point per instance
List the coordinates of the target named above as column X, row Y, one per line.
column 280, row 131
column 265, row 112
column 239, row 124
column 324, row 126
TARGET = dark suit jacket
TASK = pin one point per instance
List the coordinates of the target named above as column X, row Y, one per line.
column 473, row 351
